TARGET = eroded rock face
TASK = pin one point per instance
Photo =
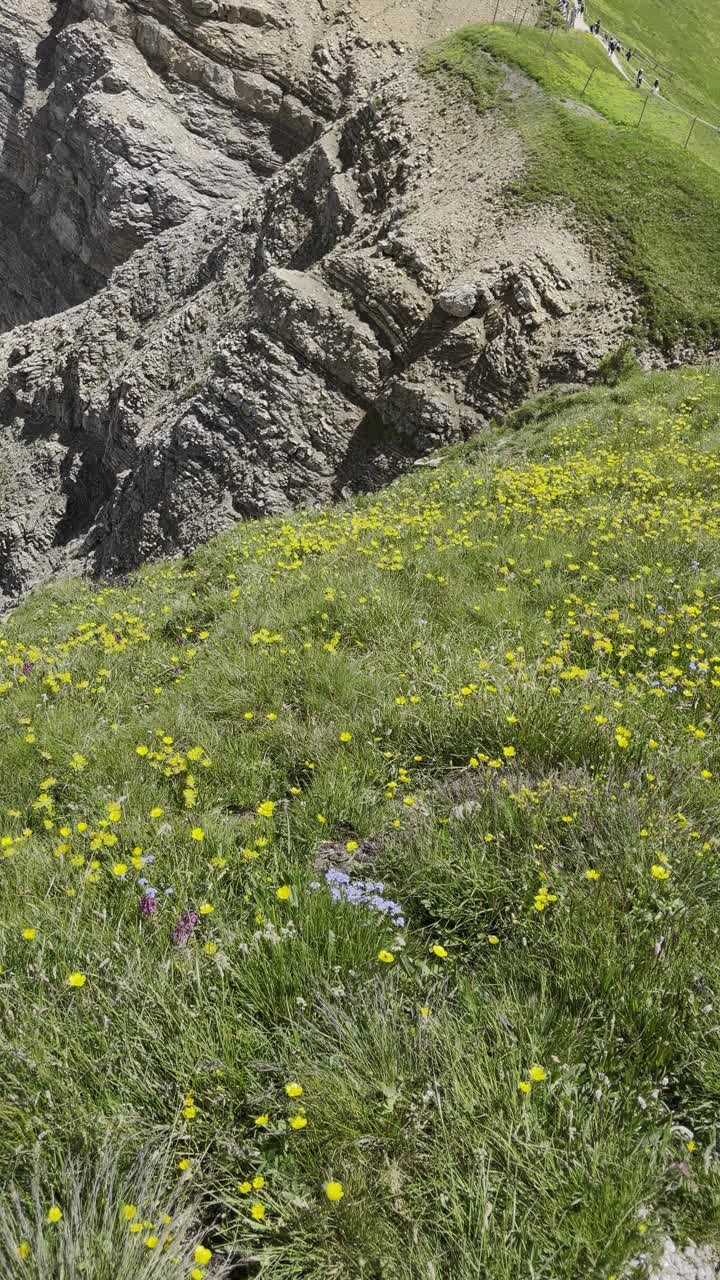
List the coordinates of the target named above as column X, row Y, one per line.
column 295, row 344
column 121, row 118
column 263, row 263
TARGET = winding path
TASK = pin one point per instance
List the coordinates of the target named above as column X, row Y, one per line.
column 581, row 25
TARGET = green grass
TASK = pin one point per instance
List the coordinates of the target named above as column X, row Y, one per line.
column 524, row 649
column 684, row 39
column 562, row 64
column 482, row 74
column 643, row 197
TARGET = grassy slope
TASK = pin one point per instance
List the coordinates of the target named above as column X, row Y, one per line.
column 654, row 203
column 525, row 650
column 684, row 38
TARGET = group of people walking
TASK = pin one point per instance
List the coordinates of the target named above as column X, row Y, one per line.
column 639, row 80
column 570, row 9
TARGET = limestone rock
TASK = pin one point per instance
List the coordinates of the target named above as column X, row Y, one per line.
column 693, row 1262
column 458, row 300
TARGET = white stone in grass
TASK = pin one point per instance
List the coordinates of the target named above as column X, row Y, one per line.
column 693, row 1262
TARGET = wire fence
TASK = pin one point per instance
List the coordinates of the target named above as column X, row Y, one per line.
column 640, row 107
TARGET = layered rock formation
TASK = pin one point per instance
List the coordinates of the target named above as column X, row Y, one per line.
column 326, row 302
column 120, row 118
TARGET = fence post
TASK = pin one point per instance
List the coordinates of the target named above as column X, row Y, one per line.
column 587, row 82
column 692, row 126
column 497, row 6
column 642, row 113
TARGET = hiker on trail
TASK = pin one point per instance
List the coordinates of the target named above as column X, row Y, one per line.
column 639, row 80
column 656, row 87
column 629, row 54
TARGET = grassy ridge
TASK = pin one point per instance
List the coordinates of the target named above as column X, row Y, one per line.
column 684, row 38
column 647, row 199
column 491, row 690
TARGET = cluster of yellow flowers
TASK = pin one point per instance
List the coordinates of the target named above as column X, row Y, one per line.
column 155, row 1236
column 637, row 677
column 536, row 1075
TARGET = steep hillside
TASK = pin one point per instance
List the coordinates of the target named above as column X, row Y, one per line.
column 363, row 869
column 684, row 46
column 120, row 118
column 647, row 200
column 304, row 255
column 379, row 297
column 359, row 658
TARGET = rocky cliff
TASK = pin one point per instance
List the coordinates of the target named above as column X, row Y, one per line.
column 295, row 268
column 121, row 119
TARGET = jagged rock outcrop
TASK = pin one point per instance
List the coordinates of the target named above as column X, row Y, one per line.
column 295, row 269
column 120, row 118
column 295, row 344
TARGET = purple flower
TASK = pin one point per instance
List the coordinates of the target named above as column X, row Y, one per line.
column 148, row 903
column 362, row 893
column 183, row 930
